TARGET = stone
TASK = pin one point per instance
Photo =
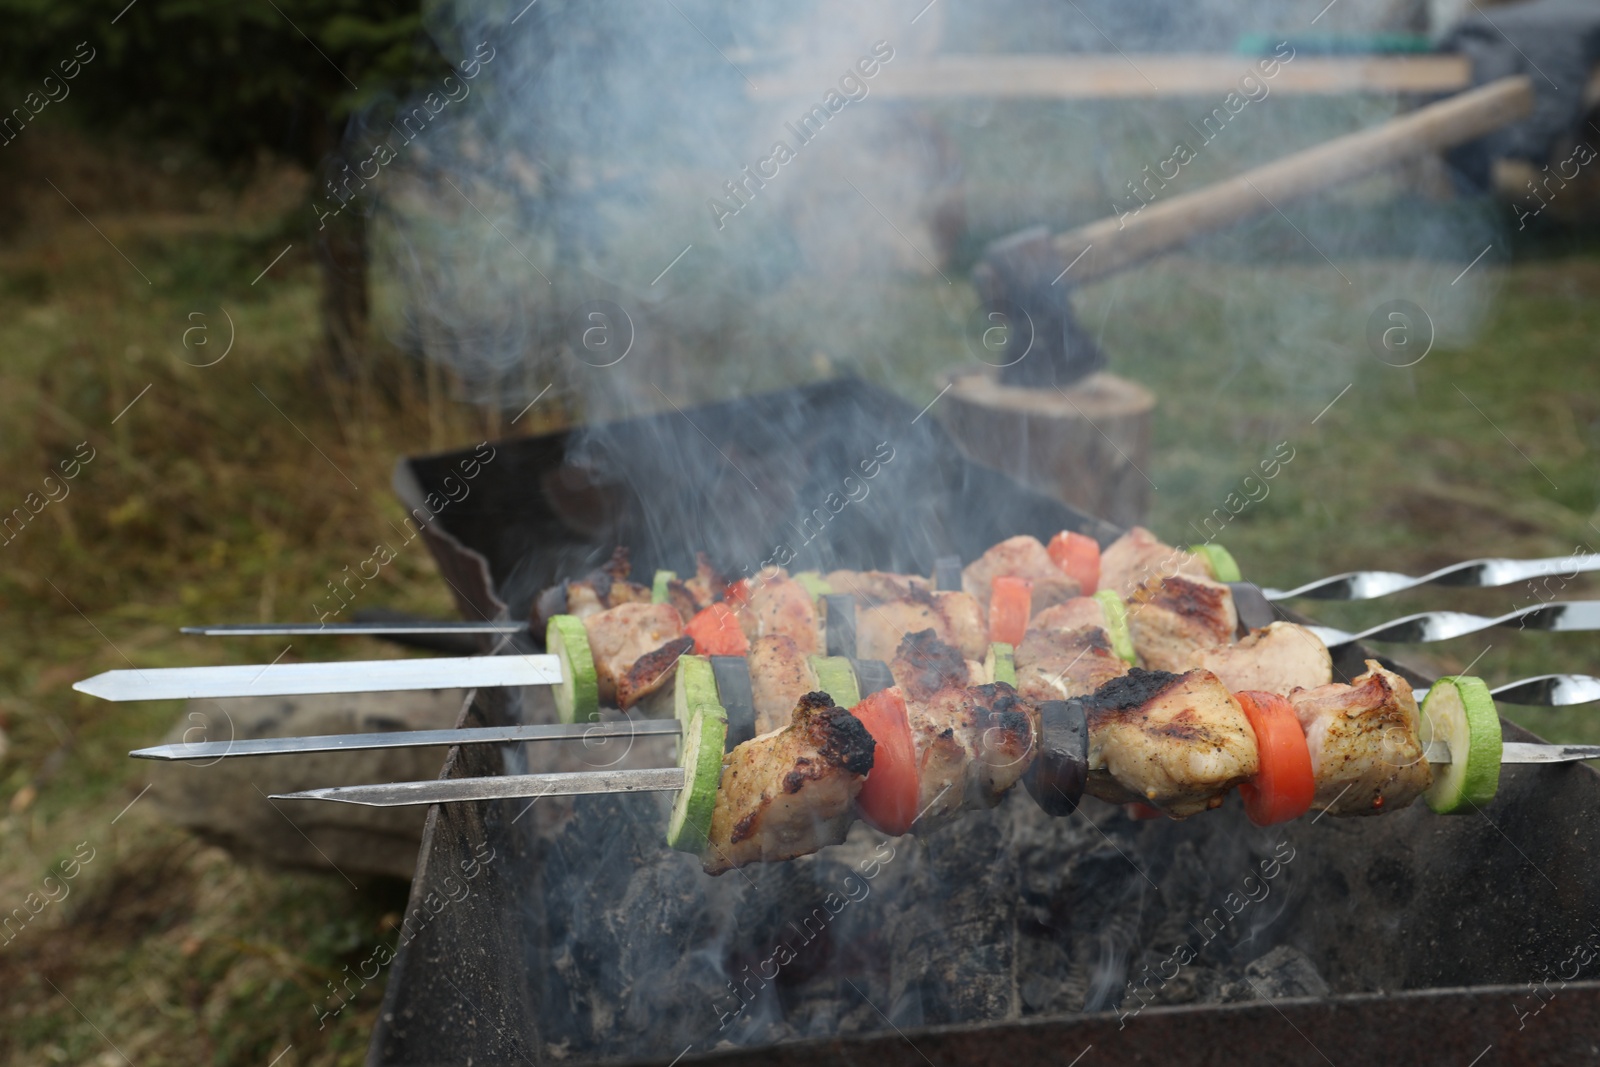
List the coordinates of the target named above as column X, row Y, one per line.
column 225, row 801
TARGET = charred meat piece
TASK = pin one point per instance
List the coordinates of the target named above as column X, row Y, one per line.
column 973, row 745
column 1172, row 619
column 877, row 587
column 693, row 595
column 780, row 605
column 651, row 672
column 1176, row 741
column 1366, row 752
column 708, row 583
column 1057, row 664
column 923, row 665
column 789, row 793
column 1019, row 557
column 955, row 617
column 602, row 588
column 1277, row 658
column 681, row 595
column 620, row 637
column 780, row 674
column 1074, row 614
column 1138, row 556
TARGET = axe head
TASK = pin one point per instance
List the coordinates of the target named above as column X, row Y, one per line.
column 1021, row 278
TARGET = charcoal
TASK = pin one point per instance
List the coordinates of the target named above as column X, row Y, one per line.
column 1285, row 971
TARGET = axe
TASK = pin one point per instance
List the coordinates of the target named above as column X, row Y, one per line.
column 1031, row 272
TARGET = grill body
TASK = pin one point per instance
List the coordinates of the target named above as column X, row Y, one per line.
column 1441, row 936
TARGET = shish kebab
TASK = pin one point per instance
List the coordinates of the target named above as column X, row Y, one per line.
column 601, row 587
column 1352, row 585
column 1178, row 741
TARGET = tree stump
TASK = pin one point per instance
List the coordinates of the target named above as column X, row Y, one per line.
column 1087, row 446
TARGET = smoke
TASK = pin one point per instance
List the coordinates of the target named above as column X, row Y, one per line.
column 642, row 200
column 607, row 222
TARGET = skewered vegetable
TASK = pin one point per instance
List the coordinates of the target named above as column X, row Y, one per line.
column 716, row 632
column 888, row 799
column 1079, row 556
column 1001, row 664
column 1223, row 566
column 700, row 756
column 577, row 696
column 1460, row 712
column 1284, row 786
column 1010, row 606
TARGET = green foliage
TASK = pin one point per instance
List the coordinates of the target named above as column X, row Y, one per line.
column 232, row 79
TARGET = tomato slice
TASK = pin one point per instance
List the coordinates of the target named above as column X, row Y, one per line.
column 1078, row 555
column 737, row 592
column 716, row 632
column 1284, row 787
column 888, row 798
column 1138, row 809
column 1010, row 607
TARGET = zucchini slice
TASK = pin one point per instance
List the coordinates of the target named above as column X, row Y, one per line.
column 1001, row 664
column 700, row 756
column 694, row 684
column 814, row 583
column 1460, row 712
column 1224, row 568
column 837, row 678
column 1117, row 623
column 658, row 588
column 577, row 695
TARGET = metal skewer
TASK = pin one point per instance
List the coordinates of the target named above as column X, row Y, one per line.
column 1352, row 585
column 484, row 735
column 1476, row 573
column 667, row 779
column 299, row 679
column 370, row 629
column 472, row 672
column 498, row 787
column 1546, row 690
column 1443, row 625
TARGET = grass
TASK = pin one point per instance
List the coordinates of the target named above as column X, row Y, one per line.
column 236, row 491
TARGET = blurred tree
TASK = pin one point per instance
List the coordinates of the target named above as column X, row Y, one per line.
column 234, row 80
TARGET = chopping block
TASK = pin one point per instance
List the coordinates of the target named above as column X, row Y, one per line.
column 1086, row 444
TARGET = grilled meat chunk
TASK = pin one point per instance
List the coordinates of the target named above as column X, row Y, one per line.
column 877, row 587
column 1171, row 619
column 619, row 637
column 1177, row 741
column 1057, row 664
column 1074, row 614
column 923, row 665
column 780, row 674
column 1366, row 751
column 1277, row 658
column 1019, row 557
column 1138, row 556
column 972, row 744
column 605, row 587
column 683, row 599
column 790, row 792
column 780, row 605
column 652, row 672
column 955, row 617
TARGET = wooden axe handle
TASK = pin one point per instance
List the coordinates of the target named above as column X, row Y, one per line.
column 1118, row 242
